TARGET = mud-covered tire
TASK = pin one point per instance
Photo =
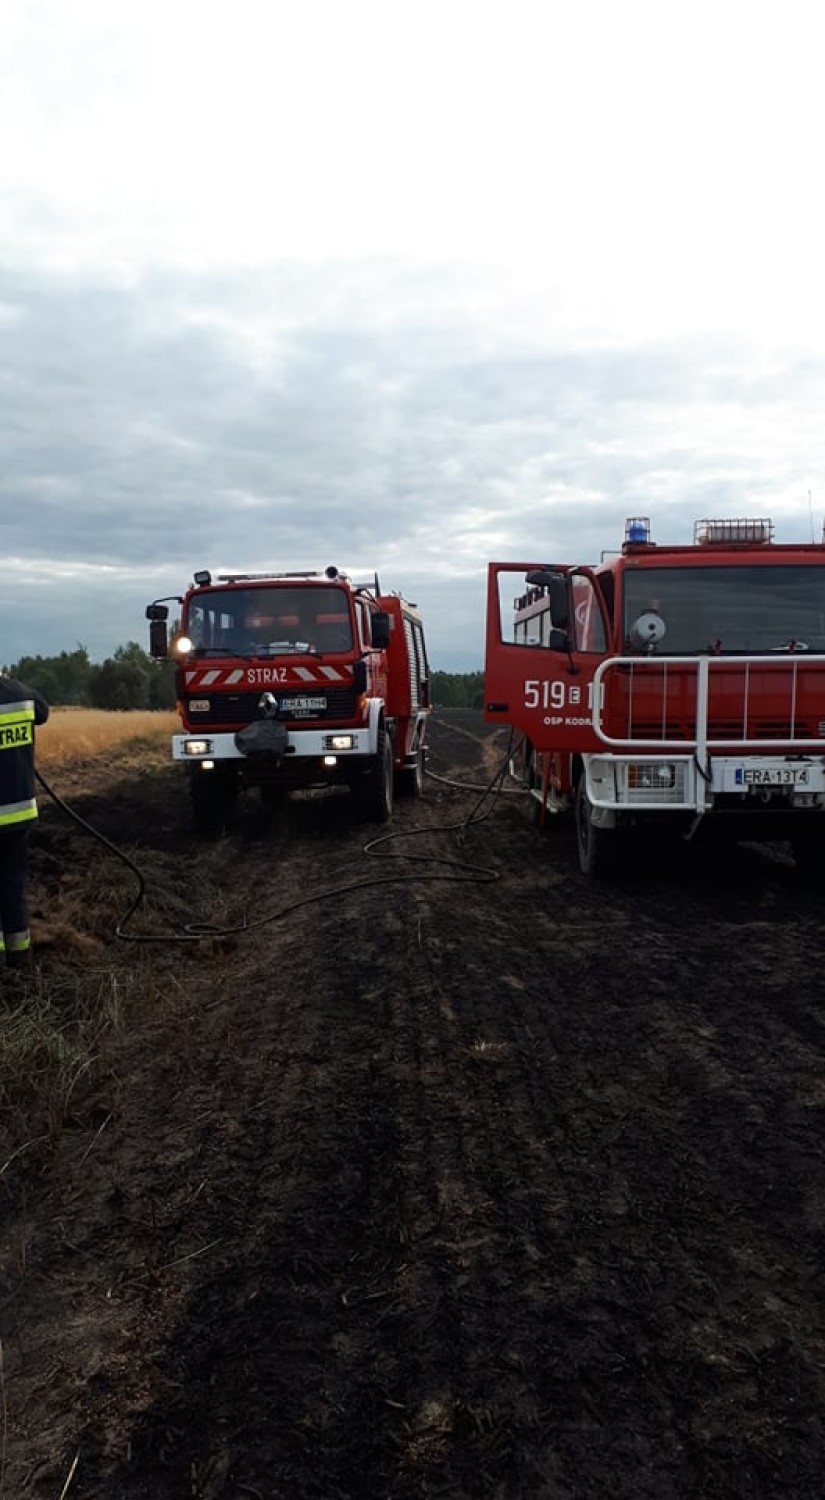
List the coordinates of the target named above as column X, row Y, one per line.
column 809, row 858
column 595, row 846
column 409, row 782
column 373, row 791
column 213, row 798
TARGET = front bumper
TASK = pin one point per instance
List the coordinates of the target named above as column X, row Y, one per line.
column 301, row 744
column 679, row 783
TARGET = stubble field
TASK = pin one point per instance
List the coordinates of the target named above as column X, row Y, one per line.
column 452, row 1175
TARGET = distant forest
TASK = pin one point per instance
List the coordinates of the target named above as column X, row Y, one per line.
column 133, row 679
column 457, row 689
column 129, row 679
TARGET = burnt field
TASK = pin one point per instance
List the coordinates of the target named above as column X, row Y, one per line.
column 454, row 1175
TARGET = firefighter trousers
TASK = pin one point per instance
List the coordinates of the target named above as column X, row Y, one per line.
column 14, row 912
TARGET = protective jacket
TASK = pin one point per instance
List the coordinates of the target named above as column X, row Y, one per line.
column 21, row 708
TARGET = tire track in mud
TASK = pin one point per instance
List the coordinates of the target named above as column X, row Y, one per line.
column 351, row 1123
column 511, row 1189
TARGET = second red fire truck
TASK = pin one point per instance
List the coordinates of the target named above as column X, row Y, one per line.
column 296, row 680
column 677, row 684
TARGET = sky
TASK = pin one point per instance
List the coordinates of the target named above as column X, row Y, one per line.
column 400, row 288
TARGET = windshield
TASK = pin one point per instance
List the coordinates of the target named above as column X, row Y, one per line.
column 269, row 621
column 742, row 608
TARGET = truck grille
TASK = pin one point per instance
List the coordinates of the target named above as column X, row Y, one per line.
column 236, row 709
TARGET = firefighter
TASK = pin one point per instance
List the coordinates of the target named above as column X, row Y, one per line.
column 21, row 707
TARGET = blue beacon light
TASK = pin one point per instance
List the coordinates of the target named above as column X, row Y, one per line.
column 637, row 529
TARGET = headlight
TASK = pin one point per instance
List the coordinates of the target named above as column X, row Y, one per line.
column 183, row 645
column 651, row 776
column 339, row 741
column 197, row 747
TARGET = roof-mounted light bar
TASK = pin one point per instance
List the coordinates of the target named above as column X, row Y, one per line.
column 260, row 577
column 720, row 533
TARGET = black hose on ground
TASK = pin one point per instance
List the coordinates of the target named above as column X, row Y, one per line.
column 460, row 871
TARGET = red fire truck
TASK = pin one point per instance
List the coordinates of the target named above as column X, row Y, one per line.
column 679, row 684
column 296, row 680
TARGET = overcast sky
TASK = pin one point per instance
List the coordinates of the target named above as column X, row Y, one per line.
column 402, row 287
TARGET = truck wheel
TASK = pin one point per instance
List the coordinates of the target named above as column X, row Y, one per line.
column 373, row 791
column 593, row 844
column 809, row 858
column 213, row 799
column 409, row 782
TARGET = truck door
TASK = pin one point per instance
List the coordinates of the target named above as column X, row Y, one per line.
column 547, row 632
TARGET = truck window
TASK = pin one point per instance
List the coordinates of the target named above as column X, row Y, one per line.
column 588, row 625
column 525, row 618
column 261, row 621
column 745, row 608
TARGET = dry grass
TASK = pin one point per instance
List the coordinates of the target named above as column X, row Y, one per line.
column 76, row 733
column 52, row 1038
column 61, row 1027
column 60, row 1041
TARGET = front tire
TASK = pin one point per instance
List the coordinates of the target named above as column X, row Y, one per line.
column 409, row 782
column 594, row 845
column 373, row 791
column 809, row 858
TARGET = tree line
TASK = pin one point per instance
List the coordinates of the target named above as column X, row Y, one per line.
column 457, row 689
column 130, row 678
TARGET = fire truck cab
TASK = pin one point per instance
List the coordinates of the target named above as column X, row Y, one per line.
column 296, row 680
column 668, row 684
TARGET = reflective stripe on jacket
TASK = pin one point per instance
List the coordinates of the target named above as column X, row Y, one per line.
column 16, row 724
column 16, row 942
column 20, row 709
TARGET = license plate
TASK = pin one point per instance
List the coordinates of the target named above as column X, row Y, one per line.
column 303, row 705
column 746, row 776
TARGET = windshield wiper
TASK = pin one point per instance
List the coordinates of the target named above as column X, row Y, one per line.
column 284, row 648
column 718, row 649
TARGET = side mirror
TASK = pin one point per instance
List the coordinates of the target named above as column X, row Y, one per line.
column 380, row 630
column 359, row 676
column 559, row 605
column 556, row 585
column 157, row 611
column 158, row 639
column 558, row 640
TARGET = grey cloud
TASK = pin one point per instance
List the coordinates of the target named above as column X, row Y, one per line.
column 368, row 418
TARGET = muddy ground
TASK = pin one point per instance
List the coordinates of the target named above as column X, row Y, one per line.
column 491, row 1184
